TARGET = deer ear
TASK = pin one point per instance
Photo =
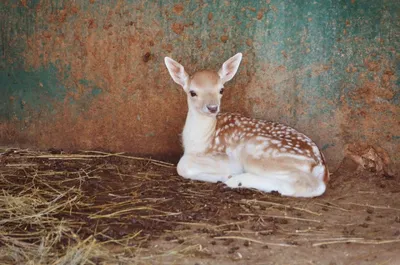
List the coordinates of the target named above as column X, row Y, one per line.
column 177, row 72
column 230, row 67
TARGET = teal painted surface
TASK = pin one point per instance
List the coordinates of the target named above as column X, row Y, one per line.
column 329, row 68
column 32, row 88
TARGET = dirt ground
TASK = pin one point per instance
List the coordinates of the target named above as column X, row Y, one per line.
column 101, row 208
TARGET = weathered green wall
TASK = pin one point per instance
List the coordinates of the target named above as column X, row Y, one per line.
column 89, row 74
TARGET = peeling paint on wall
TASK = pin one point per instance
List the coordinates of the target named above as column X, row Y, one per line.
column 90, row 74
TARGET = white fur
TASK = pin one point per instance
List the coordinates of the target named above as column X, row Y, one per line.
column 197, row 140
column 261, row 162
column 230, row 67
column 177, row 72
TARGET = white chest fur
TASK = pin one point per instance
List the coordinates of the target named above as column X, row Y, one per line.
column 198, row 132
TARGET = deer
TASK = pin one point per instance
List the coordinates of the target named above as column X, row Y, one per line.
column 239, row 151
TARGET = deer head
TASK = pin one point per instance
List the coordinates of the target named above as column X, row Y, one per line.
column 205, row 88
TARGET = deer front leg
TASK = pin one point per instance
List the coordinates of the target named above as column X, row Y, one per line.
column 211, row 168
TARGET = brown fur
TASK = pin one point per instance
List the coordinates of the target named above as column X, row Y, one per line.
column 205, row 78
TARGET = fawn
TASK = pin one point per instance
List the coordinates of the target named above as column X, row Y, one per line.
column 240, row 151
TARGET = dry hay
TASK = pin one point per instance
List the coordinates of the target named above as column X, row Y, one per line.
column 100, row 208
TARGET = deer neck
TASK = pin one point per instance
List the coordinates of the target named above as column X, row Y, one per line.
column 198, row 132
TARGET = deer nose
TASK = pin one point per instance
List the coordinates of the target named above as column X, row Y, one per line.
column 212, row 108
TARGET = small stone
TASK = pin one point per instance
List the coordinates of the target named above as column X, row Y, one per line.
column 233, row 250
column 228, row 242
column 266, row 233
column 169, row 238
column 282, row 221
column 145, row 245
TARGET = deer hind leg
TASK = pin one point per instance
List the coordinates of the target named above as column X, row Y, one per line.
column 207, row 168
column 296, row 185
column 262, row 183
column 271, row 175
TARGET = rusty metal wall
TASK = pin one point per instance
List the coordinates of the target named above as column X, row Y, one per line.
column 89, row 74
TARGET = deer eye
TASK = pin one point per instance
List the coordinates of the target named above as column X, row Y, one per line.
column 193, row 94
column 221, row 91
